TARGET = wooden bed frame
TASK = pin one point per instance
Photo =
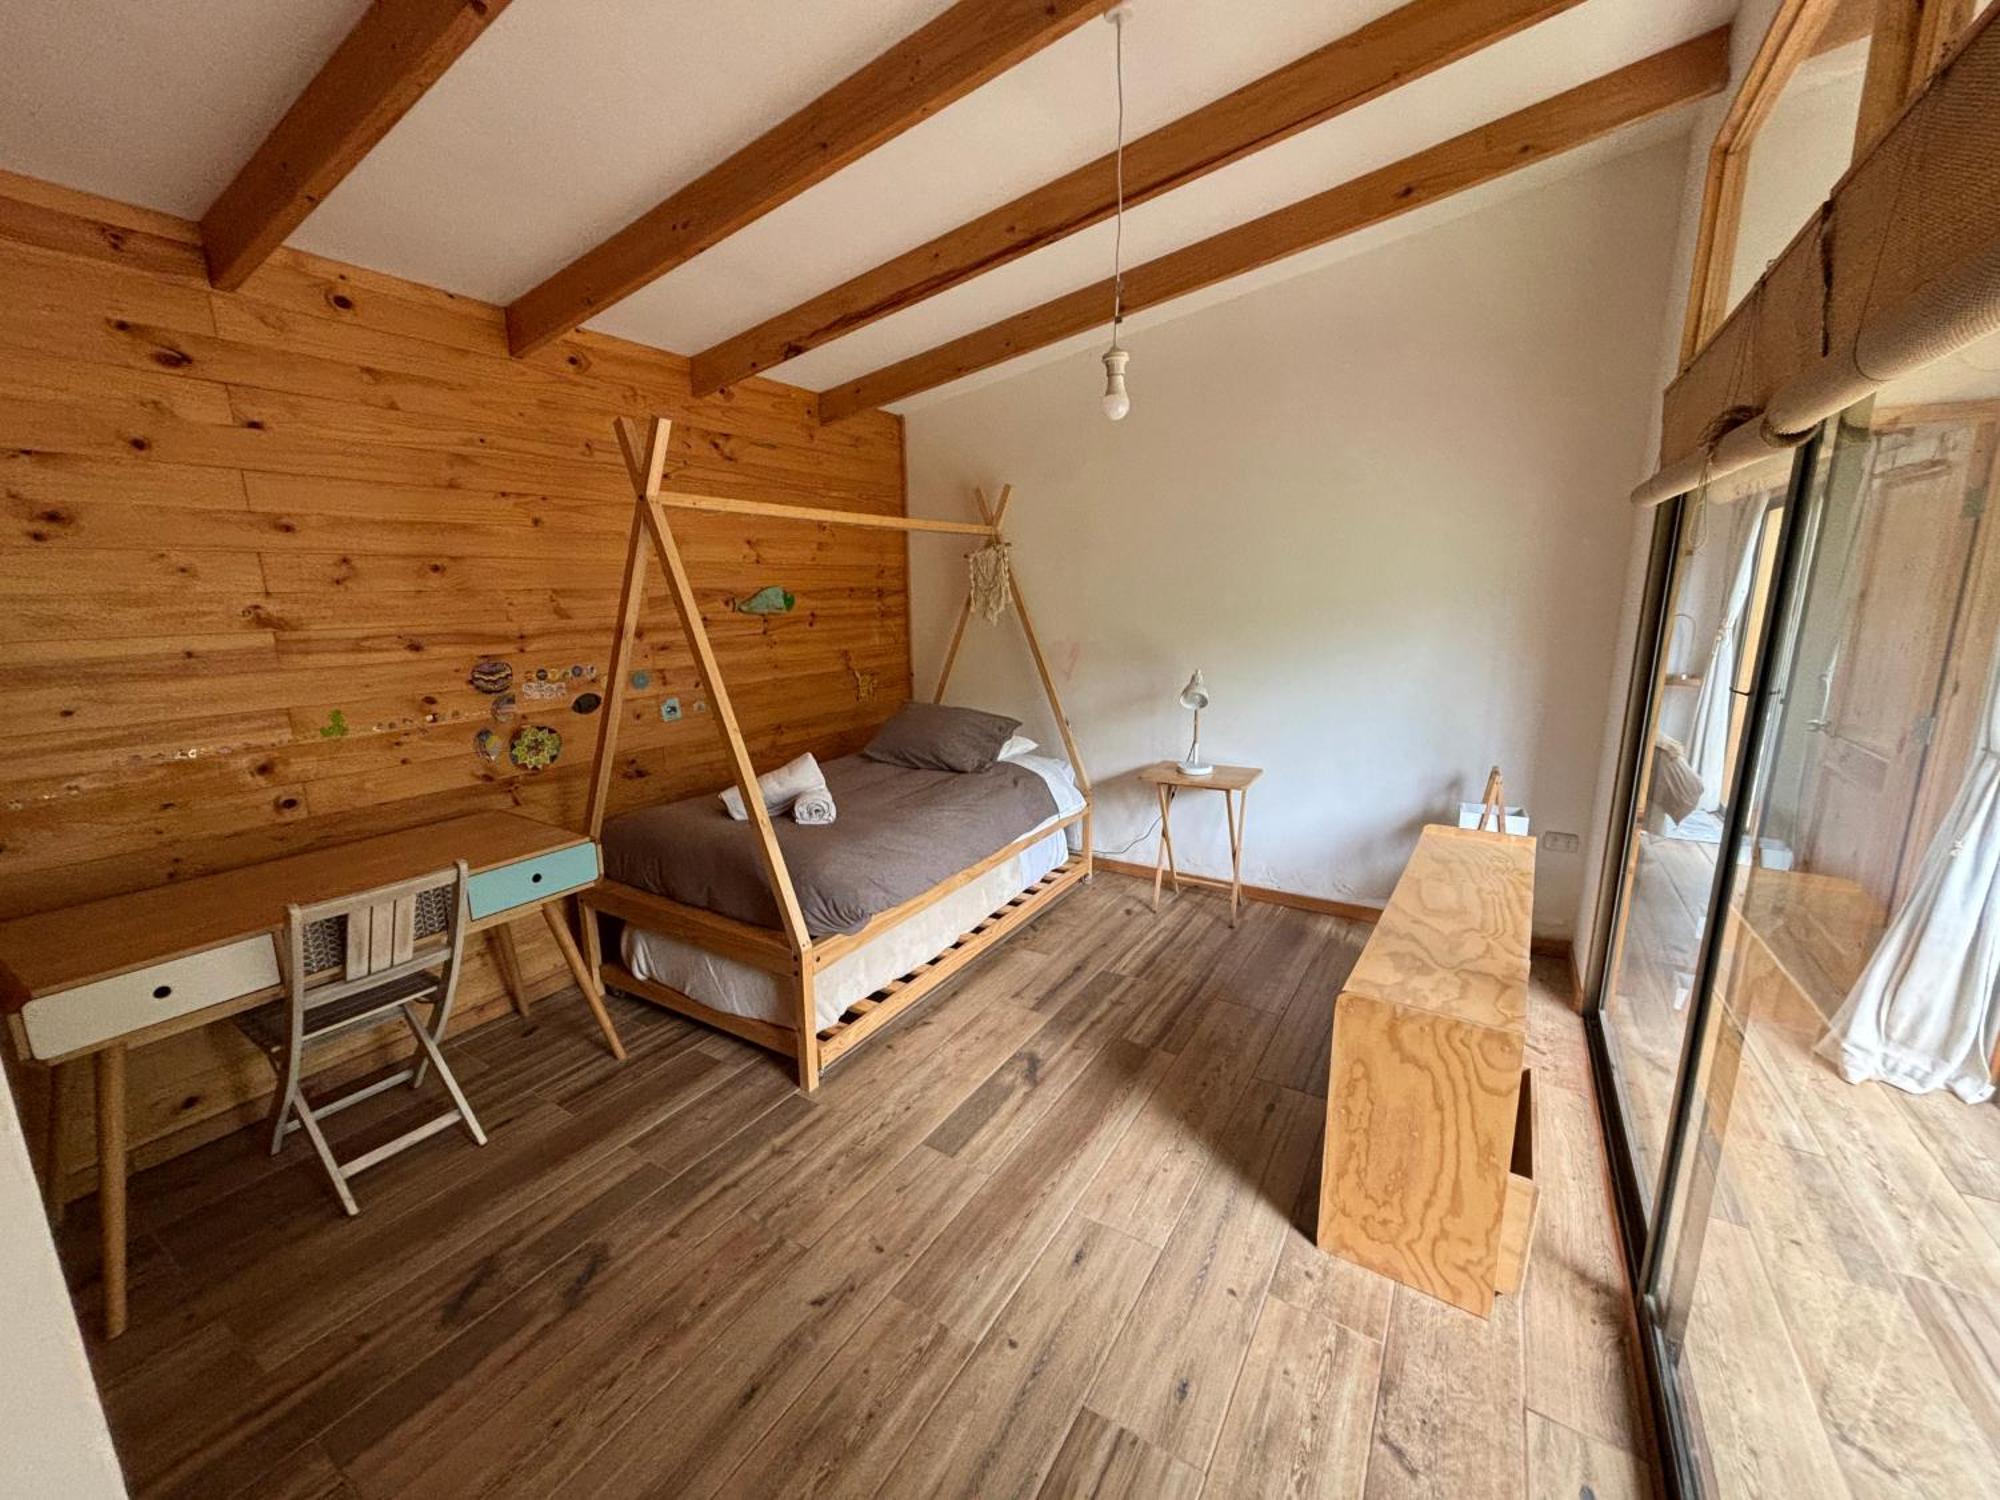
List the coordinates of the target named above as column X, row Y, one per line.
column 789, row 951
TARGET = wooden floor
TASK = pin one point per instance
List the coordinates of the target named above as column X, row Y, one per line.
column 1049, row 1235
column 1845, row 1333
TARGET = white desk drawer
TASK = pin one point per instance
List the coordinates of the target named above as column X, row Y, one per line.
column 97, row 1012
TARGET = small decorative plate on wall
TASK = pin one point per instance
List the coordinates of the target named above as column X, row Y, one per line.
column 535, row 747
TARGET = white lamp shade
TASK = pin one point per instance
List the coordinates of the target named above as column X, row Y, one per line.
column 1195, row 694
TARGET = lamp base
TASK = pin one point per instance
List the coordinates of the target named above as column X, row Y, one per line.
column 1195, row 768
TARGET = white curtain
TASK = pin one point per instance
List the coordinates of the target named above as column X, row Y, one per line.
column 1708, row 743
column 1922, row 1014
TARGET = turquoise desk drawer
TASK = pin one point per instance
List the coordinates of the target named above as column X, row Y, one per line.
column 528, row 880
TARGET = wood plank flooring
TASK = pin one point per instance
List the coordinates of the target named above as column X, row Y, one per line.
column 1049, row 1235
column 1844, row 1337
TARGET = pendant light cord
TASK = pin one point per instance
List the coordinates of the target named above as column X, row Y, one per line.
column 1118, row 237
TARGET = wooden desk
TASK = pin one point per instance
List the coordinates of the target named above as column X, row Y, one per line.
column 1233, row 782
column 97, row 979
column 1427, row 1175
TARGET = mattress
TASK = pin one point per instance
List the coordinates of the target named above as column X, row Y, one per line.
column 739, row 989
column 899, row 832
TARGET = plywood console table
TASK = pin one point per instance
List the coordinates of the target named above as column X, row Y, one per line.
column 95, row 980
column 1427, row 1179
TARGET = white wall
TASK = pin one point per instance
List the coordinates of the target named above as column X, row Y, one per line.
column 53, row 1440
column 1379, row 504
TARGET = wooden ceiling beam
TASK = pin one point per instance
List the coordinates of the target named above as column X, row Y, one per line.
column 1407, row 43
column 396, row 51
column 1851, row 21
column 1911, row 39
column 1650, row 87
column 939, row 63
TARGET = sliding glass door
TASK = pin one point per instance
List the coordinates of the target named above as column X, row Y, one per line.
column 1798, row 1026
column 1724, row 565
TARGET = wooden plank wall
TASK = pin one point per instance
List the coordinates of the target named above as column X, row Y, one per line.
column 231, row 516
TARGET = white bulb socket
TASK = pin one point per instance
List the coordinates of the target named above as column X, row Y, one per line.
column 1117, row 400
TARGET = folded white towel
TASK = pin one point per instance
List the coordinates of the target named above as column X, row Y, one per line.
column 779, row 788
column 813, row 809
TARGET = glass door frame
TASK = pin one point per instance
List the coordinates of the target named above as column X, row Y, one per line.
column 1647, row 1240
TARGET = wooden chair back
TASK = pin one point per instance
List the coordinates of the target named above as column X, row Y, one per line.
column 385, row 937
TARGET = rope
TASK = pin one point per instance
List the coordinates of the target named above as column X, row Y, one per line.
column 1118, row 236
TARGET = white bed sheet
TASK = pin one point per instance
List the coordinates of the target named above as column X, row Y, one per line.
column 739, row 989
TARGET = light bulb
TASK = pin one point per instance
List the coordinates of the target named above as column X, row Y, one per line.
column 1117, row 401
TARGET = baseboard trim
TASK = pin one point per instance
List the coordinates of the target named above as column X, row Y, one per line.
column 1271, row 895
column 1354, row 911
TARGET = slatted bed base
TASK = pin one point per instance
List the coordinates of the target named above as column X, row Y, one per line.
column 876, row 1011
column 870, row 1014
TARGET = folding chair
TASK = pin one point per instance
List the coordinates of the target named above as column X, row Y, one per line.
column 355, row 962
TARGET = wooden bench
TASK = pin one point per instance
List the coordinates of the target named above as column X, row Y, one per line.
column 1428, row 1174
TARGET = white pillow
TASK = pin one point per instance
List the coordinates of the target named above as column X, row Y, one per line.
column 1017, row 746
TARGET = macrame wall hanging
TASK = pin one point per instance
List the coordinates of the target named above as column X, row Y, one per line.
column 988, row 576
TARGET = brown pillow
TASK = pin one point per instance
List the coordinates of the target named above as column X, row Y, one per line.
column 933, row 737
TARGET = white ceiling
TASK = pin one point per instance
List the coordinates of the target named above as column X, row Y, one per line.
column 570, row 117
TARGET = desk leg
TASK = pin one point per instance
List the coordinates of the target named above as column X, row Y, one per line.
column 593, row 937
column 111, row 1181
column 1236, row 803
column 500, row 943
column 1167, row 836
column 585, row 980
column 1160, row 849
column 60, row 1076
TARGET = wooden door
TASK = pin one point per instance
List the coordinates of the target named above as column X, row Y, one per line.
column 1906, row 576
column 1968, row 665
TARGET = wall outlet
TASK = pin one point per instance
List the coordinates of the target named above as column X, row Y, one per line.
column 1560, row 843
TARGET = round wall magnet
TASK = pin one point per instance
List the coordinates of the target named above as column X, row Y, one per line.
column 585, row 703
column 487, row 743
column 490, row 675
column 505, row 707
column 642, row 679
column 535, row 747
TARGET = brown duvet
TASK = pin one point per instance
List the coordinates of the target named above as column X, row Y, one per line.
column 899, row 832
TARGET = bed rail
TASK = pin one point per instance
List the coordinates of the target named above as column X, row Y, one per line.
column 826, row 950
column 763, row 948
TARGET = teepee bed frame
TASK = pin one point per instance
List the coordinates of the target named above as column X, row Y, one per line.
column 788, row 951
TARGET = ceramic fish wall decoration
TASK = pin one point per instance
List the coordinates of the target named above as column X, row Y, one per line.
column 769, row 600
